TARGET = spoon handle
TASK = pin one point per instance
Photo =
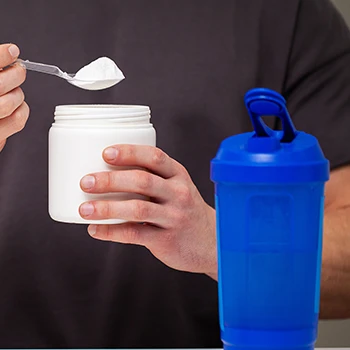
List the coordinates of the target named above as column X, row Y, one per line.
column 43, row 68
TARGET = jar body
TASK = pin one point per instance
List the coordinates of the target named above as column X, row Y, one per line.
column 75, row 150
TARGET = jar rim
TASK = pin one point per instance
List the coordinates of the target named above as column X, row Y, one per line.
column 92, row 111
column 106, row 108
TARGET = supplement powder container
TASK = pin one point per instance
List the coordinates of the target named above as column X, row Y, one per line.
column 77, row 139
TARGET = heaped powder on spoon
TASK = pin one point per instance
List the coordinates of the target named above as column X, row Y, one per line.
column 101, row 70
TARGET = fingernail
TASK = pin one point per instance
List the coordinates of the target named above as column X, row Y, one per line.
column 110, row 153
column 14, row 51
column 92, row 229
column 88, row 182
column 87, row 209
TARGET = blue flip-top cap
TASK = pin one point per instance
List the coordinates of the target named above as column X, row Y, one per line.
column 268, row 156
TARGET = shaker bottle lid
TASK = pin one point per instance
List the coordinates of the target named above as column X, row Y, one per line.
column 266, row 155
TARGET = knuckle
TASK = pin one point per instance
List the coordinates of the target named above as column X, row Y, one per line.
column 108, row 179
column 11, row 101
column 168, row 238
column 26, row 110
column 2, row 86
column 144, row 180
column 19, row 118
column 183, row 194
column 141, row 211
column 127, row 152
column 179, row 216
column 104, row 209
column 183, row 171
column 109, row 233
column 7, row 106
column 131, row 233
column 22, row 74
column 158, row 157
column 20, row 94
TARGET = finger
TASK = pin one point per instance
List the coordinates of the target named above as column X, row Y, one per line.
column 8, row 54
column 134, row 181
column 15, row 122
column 129, row 233
column 11, row 78
column 129, row 210
column 10, row 102
column 151, row 158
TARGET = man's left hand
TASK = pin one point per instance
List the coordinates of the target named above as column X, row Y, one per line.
column 176, row 224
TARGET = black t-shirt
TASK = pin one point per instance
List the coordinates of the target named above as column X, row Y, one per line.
column 191, row 62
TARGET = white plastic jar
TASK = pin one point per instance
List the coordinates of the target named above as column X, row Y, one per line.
column 77, row 139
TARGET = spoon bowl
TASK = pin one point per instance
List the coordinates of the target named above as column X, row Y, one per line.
column 92, row 85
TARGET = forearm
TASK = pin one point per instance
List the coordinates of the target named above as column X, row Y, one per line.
column 335, row 282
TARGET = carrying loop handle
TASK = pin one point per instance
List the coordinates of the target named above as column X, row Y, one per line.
column 265, row 102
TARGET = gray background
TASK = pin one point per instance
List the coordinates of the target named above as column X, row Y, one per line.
column 336, row 333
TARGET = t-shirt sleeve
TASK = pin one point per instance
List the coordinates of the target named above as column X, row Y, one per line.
column 317, row 85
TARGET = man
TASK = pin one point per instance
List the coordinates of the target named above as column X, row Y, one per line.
column 191, row 62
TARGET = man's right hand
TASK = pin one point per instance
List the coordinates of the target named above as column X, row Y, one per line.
column 14, row 111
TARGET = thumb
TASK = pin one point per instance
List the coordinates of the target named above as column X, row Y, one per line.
column 8, row 54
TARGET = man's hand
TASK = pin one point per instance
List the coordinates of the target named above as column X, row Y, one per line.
column 335, row 284
column 14, row 111
column 176, row 225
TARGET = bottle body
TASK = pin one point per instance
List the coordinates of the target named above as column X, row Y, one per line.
column 76, row 142
column 269, row 189
column 269, row 250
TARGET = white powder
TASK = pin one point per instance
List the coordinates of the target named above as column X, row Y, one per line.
column 99, row 74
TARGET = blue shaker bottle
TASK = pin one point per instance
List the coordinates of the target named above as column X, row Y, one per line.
column 269, row 190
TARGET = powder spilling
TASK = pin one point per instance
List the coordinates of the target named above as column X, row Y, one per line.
column 99, row 74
